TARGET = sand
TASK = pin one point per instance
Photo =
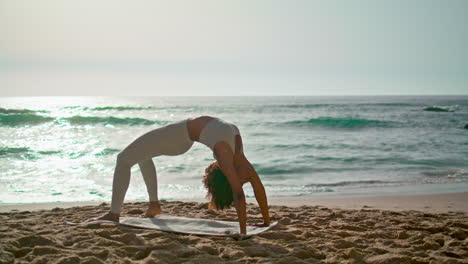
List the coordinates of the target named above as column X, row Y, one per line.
column 308, row 232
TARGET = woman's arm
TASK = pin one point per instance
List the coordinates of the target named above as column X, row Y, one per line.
column 245, row 167
column 225, row 159
column 260, row 196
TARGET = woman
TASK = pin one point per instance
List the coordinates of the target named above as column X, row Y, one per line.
column 223, row 179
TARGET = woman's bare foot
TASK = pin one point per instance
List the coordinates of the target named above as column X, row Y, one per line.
column 153, row 209
column 115, row 217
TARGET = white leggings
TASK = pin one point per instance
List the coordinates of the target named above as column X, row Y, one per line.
column 171, row 140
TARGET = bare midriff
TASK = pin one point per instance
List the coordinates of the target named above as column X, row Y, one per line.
column 195, row 126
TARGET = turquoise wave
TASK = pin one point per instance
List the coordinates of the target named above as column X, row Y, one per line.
column 343, row 122
column 15, row 111
column 20, row 111
column 439, row 109
column 33, row 119
column 23, row 119
column 280, row 170
column 24, row 153
column 120, row 108
column 107, row 151
column 304, row 105
column 100, row 108
column 8, row 151
column 106, row 108
column 110, row 120
column 352, row 183
column 307, row 106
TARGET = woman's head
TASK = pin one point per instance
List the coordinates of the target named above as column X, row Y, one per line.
column 218, row 186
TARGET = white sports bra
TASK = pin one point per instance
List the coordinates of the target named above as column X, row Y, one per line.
column 217, row 130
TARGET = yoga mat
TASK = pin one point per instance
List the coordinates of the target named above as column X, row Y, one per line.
column 186, row 225
column 195, row 226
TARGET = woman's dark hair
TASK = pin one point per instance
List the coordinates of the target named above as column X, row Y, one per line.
column 218, row 186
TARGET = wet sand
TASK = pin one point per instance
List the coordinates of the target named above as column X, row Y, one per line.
column 310, row 230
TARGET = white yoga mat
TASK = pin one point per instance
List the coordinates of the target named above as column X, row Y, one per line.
column 195, row 226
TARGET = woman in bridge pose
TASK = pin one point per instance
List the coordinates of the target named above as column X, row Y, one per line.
column 223, row 178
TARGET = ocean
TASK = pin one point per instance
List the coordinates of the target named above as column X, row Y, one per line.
column 59, row 149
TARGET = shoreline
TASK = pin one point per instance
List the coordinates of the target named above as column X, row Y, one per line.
column 433, row 203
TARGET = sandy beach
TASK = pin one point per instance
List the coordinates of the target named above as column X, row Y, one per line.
column 366, row 229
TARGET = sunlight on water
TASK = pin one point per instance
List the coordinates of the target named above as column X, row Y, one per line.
column 64, row 148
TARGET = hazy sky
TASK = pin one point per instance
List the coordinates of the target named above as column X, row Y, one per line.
column 233, row 47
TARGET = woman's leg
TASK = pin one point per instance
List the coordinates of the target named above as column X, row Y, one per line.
column 148, row 170
column 119, row 188
column 169, row 140
column 120, row 183
column 143, row 148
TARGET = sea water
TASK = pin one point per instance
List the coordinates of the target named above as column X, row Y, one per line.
column 64, row 148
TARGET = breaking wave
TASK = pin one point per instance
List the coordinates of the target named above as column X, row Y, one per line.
column 23, row 119
column 110, row 120
column 34, row 119
column 344, row 123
